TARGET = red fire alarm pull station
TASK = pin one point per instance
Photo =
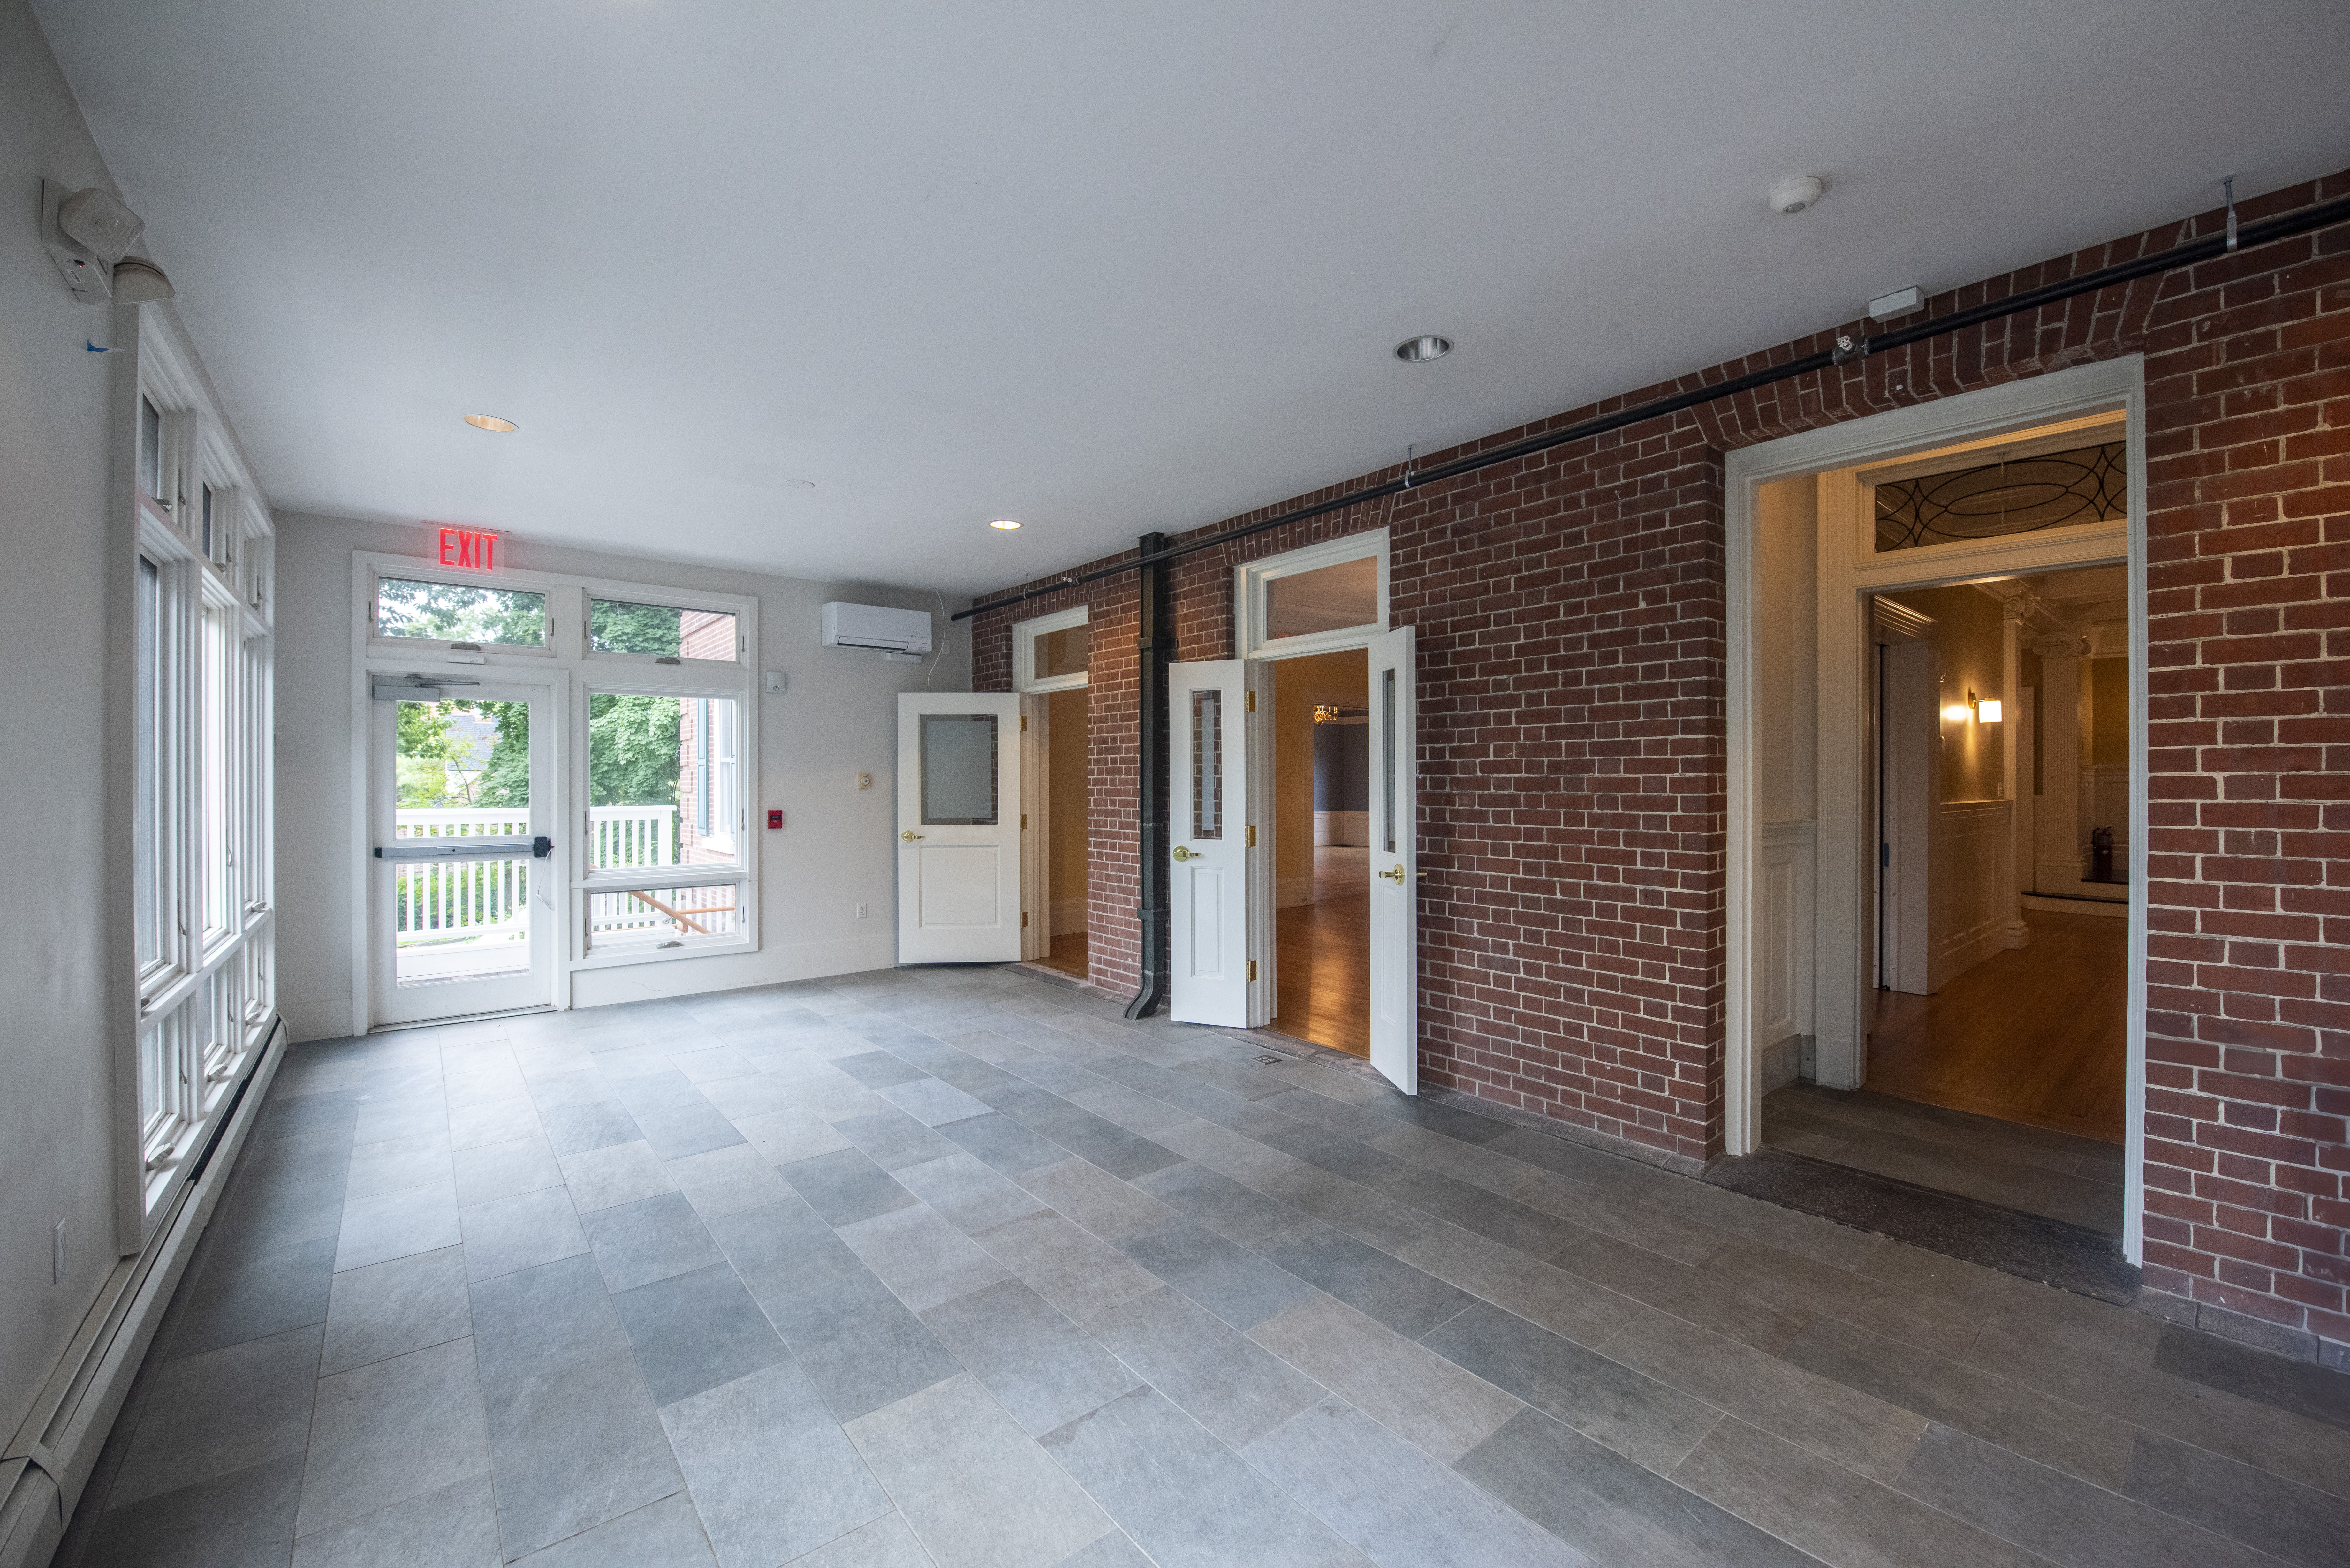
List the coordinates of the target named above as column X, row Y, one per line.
column 774, row 819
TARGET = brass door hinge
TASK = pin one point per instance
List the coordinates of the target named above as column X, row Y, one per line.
column 1251, row 838
column 1251, row 702
column 1023, row 821
column 1252, row 971
column 1024, row 920
column 1024, row 723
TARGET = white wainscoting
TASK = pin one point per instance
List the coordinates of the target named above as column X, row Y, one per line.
column 1785, row 918
column 1968, row 921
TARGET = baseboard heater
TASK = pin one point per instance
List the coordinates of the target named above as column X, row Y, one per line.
column 49, row 1459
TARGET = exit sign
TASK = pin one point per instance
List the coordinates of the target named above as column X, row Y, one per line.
column 475, row 549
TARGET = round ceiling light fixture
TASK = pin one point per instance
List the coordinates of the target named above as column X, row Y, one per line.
column 492, row 422
column 1793, row 196
column 1006, row 524
column 1421, row 350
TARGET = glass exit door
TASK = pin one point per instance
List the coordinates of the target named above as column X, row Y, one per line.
column 461, row 869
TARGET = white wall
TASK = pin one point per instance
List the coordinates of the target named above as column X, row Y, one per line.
column 57, row 1132
column 838, row 846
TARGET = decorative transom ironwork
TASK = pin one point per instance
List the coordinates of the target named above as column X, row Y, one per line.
column 2018, row 495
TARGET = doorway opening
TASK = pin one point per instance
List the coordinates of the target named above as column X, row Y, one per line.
column 1052, row 663
column 1322, row 849
column 1064, row 831
column 1945, row 722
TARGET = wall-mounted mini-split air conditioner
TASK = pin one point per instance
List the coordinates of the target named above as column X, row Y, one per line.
column 877, row 627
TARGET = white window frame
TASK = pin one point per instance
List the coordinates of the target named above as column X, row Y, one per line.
column 404, row 570
column 573, row 675
column 193, row 1019
column 1249, row 580
column 666, row 598
column 1025, row 636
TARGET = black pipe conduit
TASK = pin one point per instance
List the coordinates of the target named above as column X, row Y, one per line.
column 2285, row 225
column 1156, row 640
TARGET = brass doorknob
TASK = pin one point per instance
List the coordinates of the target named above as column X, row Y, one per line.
column 1395, row 876
column 1185, row 852
column 910, row 836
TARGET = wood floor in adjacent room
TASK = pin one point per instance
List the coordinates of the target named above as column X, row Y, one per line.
column 1068, row 954
column 2034, row 1035
column 1324, row 958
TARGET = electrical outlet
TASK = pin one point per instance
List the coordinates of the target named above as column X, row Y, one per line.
column 860, row 911
column 864, row 781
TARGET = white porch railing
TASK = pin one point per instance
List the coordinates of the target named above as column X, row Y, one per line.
column 467, row 902
column 622, row 838
column 462, row 899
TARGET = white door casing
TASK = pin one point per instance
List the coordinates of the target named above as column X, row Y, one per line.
column 1209, row 874
column 958, row 827
column 411, row 991
column 1395, row 861
column 1842, row 971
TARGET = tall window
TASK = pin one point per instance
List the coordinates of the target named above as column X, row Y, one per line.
column 151, row 899
column 200, row 926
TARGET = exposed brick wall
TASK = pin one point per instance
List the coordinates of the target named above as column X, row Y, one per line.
column 2247, row 987
column 1570, row 610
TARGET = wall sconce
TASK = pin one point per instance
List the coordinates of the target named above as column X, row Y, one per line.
column 1987, row 708
column 1325, row 715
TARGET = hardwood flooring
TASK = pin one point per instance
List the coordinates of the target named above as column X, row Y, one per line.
column 1325, row 956
column 2034, row 1035
column 1068, row 954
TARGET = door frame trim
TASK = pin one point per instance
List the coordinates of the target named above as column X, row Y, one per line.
column 2109, row 385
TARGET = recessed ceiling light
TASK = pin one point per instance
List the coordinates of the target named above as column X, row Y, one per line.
column 1006, row 524
column 1421, row 350
column 491, row 422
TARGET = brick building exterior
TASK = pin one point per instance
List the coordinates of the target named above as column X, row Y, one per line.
column 1570, row 608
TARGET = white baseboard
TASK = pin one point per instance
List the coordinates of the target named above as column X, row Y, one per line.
column 2113, row 909
column 60, row 1443
column 1069, row 916
column 328, row 1020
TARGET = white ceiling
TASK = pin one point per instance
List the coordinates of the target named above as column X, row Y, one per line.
column 1100, row 268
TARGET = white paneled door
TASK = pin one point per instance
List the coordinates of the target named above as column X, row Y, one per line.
column 1395, row 863
column 1208, row 943
column 958, row 827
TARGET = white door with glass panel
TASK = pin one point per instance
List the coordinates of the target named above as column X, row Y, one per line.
column 1395, row 863
column 958, row 827
column 1208, row 881
column 461, row 828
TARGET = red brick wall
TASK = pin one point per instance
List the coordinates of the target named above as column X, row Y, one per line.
column 1570, row 608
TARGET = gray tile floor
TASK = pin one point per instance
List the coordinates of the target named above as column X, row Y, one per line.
column 953, row 1267
column 2052, row 1174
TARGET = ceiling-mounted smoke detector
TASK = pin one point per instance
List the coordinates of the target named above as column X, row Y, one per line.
column 1791, row 196
column 1421, row 350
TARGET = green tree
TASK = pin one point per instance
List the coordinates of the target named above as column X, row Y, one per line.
column 424, row 749
column 504, row 778
column 449, row 612
column 632, row 743
column 615, row 627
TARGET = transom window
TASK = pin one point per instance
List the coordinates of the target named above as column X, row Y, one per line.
column 1325, row 597
column 662, row 632
column 460, row 612
column 1053, row 652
